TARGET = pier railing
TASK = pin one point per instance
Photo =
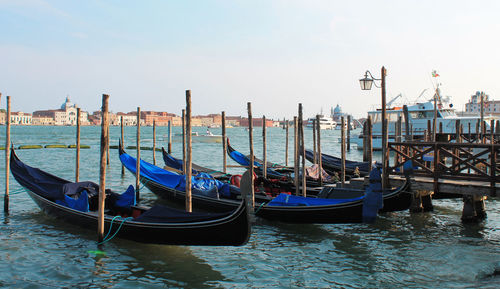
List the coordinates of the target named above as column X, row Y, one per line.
column 452, row 161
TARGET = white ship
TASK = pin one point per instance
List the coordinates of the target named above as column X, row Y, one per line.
column 325, row 122
column 419, row 114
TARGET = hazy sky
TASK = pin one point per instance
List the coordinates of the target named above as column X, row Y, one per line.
column 272, row 53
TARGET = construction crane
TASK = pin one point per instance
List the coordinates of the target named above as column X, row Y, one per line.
column 388, row 105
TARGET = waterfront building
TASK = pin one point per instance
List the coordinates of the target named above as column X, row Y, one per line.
column 473, row 107
column 20, row 118
column 66, row 115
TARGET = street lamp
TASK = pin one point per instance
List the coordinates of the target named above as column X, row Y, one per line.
column 366, row 84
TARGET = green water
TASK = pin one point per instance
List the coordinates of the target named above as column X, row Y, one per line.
column 429, row 250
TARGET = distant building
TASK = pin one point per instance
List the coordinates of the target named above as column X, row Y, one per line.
column 41, row 120
column 20, row 118
column 66, row 115
column 491, row 107
column 257, row 122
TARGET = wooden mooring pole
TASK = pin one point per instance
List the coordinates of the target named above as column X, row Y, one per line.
column 320, row 157
column 296, row 154
column 77, row 170
column 286, row 143
column 138, row 159
column 224, row 143
column 184, row 153
column 154, row 142
column 7, row 157
column 264, row 154
column 107, row 152
column 102, row 172
column 169, row 147
column 251, row 166
column 314, row 141
column 189, row 159
column 302, row 148
column 122, row 141
column 348, row 140
column 342, row 152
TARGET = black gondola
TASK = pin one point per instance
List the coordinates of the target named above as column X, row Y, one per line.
column 158, row 224
column 342, row 205
column 333, row 164
column 175, row 163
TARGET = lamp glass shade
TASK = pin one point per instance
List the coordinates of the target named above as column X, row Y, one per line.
column 366, row 83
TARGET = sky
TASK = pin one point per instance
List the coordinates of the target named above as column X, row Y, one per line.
column 274, row 54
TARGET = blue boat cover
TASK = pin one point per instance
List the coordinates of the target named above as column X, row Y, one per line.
column 80, row 204
column 290, row 200
column 202, row 183
column 245, row 161
column 374, row 199
column 127, row 198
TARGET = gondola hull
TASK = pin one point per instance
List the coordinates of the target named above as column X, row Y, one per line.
column 346, row 212
column 209, row 234
column 229, row 229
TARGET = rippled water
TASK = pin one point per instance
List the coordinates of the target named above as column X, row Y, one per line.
column 400, row 250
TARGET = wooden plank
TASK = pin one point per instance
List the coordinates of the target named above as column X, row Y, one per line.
column 154, row 142
column 123, row 144
column 264, row 155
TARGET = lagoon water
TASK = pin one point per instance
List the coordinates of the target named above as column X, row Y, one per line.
column 401, row 250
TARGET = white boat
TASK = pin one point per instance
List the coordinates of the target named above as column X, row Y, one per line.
column 419, row 114
column 197, row 137
column 325, row 122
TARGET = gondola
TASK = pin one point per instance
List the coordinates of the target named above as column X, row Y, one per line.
column 274, row 171
column 175, row 163
column 341, row 206
column 333, row 164
column 158, row 224
column 271, row 187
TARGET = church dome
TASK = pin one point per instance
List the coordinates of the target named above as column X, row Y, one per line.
column 67, row 104
column 337, row 110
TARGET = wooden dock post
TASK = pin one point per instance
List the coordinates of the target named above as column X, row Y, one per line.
column 107, row 153
column 407, row 122
column 348, row 140
column 251, row 164
column 342, row 152
column 320, row 157
column 169, row 148
column 497, row 130
column 224, row 143
column 493, row 161
column 264, row 157
column 315, row 160
column 77, row 170
column 184, row 153
column 296, row 154
column 138, row 159
column 286, row 144
column 123, row 144
column 102, row 172
column 154, row 142
column 302, row 148
column 385, row 150
column 7, row 157
column 189, row 159
column 369, row 142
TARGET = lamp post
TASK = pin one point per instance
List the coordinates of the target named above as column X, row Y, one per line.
column 366, row 84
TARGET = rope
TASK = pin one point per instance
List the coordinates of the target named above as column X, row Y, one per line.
column 262, row 204
column 144, row 184
column 106, row 239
